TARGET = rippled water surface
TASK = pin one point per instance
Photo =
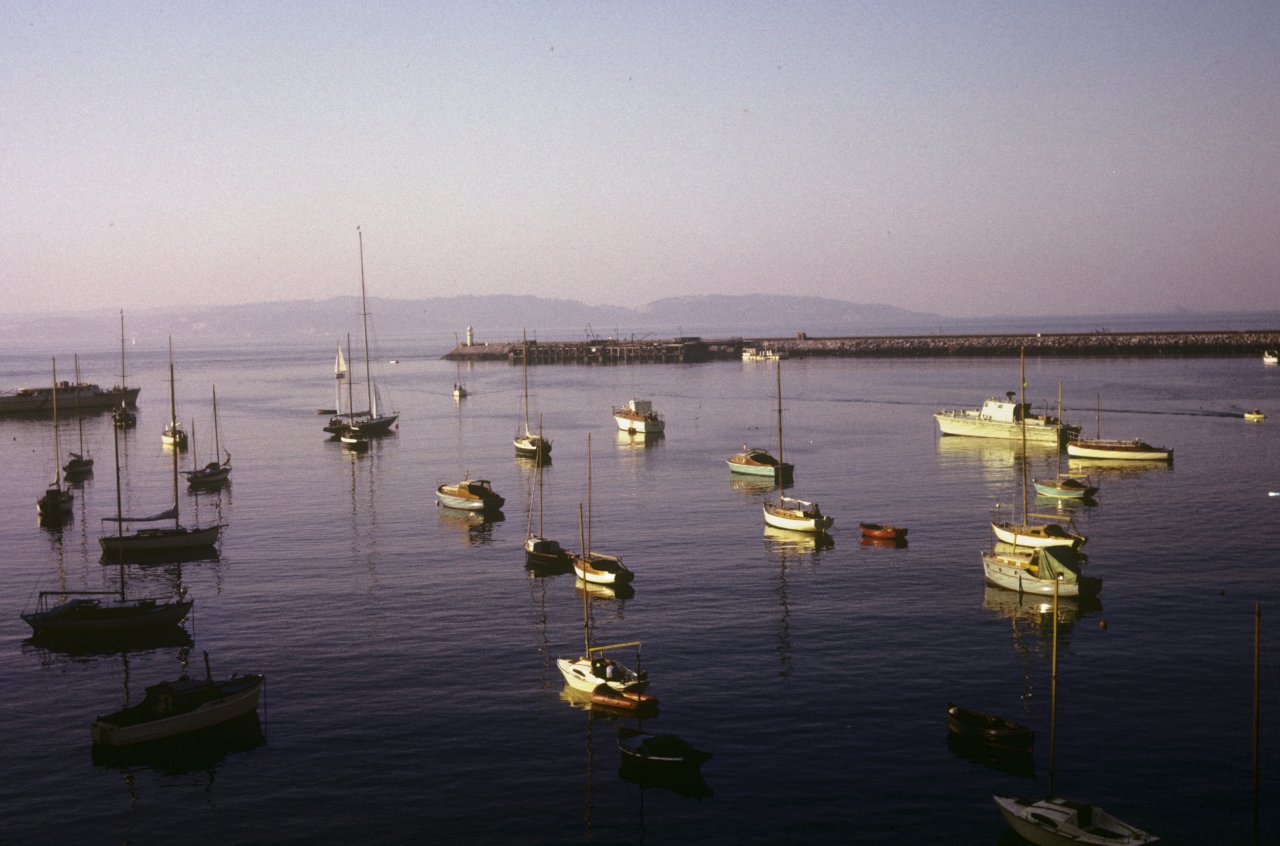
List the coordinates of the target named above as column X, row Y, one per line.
column 412, row 693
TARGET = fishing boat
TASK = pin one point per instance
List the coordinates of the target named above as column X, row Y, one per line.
column 1004, row 418
column 754, row 461
column 1270, row 357
column 1039, row 570
column 542, row 553
column 1054, row 821
column 597, row 567
column 80, row 464
column 1255, row 416
column 470, row 495
column 883, row 531
column 658, row 750
column 54, row 505
column 988, row 729
column 93, row 614
column 375, row 420
column 762, row 354
column 638, row 417
column 159, row 540
column 593, row 669
column 215, row 472
column 797, row 515
column 174, row 708
column 530, row 445
column 1115, row 450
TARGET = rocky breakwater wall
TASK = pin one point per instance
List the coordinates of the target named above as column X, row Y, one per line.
column 1191, row 344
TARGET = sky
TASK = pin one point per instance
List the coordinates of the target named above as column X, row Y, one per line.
column 958, row 158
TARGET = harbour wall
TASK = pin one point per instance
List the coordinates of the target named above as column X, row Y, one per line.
column 692, row 350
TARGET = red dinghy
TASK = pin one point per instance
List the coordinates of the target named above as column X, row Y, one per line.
column 877, row 531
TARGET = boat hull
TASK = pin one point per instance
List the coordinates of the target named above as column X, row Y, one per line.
column 970, row 424
column 1118, row 451
column 1056, row 822
column 469, row 498
column 1064, row 488
column 131, row 615
column 792, row 520
column 38, row 401
column 1012, row 572
column 159, row 540
column 601, row 569
column 989, row 729
column 640, row 424
column 532, row 446
column 579, row 675
column 239, row 696
column 878, row 531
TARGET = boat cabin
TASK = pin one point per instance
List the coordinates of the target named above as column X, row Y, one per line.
column 1005, row 411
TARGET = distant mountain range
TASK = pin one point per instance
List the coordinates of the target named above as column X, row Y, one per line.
column 434, row 323
column 494, row 318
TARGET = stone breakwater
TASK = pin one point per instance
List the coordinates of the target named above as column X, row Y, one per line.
column 687, row 350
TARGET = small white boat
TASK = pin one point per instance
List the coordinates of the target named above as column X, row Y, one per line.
column 601, row 569
column 1271, row 357
column 1062, row 822
column 638, row 416
column 1255, row 416
column 179, row 707
column 1035, row 534
column 797, row 515
column 1036, row 571
column 1117, row 450
column 470, row 495
column 530, row 445
column 755, row 461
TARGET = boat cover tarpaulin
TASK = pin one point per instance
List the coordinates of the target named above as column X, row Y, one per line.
column 1059, row 562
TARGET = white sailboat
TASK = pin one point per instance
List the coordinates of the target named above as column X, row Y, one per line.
column 54, row 505
column 1021, row 532
column 593, row 672
column 755, row 461
column 596, row 567
column 530, row 445
column 375, row 420
column 161, row 540
column 542, row 553
column 351, row 437
column 458, row 390
column 1054, row 821
column 216, row 471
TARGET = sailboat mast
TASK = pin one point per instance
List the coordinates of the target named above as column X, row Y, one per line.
column 587, row 547
column 173, row 418
column 540, row 463
column 586, row 613
column 1053, row 690
column 779, row 470
column 364, row 316
column 79, row 417
column 1022, row 414
column 57, row 446
column 217, row 443
column 351, row 408
column 525, row 359
column 115, row 439
column 122, row 382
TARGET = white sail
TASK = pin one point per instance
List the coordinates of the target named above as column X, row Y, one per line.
column 340, row 365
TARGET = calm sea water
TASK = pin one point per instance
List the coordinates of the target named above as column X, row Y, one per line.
column 412, row 694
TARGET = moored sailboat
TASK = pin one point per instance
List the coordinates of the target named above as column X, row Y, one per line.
column 68, row 614
column 542, row 553
column 1109, row 449
column 161, row 540
column 755, row 461
column 80, row 464
column 530, row 445
column 375, row 420
column 597, row 567
column 54, row 505
column 215, row 472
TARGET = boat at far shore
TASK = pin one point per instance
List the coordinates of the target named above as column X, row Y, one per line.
column 1004, row 418
column 1271, row 357
column 38, row 401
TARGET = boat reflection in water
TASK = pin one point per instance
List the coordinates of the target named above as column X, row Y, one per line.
column 475, row 528
column 198, row 751
column 784, row 540
column 755, row 486
column 1019, row 762
column 1103, row 466
column 637, row 440
column 597, row 592
column 680, row 773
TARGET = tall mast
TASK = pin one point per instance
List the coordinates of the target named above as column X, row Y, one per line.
column 540, row 482
column 57, row 446
column 351, row 408
column 525, row 358
column 79, row 417
column 115, row 440
column 587, row 548
column 1053, row 690
column 217, row 444
column 173, row 418
column 1022, row 414
column 779, row 473
column 364, row 316
column 123, row 384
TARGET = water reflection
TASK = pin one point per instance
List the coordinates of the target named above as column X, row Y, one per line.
column 201, row 751
column 1014, row 762
column 611, row 597
column 784, row 540
column 638, row 440
column 473, row 528
column 755, row 486
column 1104, row 467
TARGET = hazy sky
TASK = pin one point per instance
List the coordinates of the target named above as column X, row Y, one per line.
column 955, row 157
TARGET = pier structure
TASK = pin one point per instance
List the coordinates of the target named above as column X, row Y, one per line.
column 686, row 350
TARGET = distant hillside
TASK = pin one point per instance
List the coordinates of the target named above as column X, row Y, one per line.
column 495, row 317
